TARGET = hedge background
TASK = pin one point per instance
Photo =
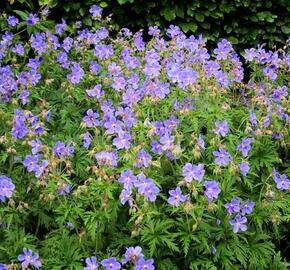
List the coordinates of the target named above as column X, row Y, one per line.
column 244, row 22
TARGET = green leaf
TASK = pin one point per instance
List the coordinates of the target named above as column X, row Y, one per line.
column 103, row 4
column 233, row 40
column 168, row 13
column 285, row 29
column 179, row 11
column 22, row 14
column 121, row 2
column 188, row 27
column 199, row 17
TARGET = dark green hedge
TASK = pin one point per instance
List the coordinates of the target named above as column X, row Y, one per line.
column 243, row 22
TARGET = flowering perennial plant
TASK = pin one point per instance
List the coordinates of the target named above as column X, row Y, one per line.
column 160, row 148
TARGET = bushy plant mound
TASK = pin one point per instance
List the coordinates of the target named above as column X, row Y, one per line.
column 121, row 154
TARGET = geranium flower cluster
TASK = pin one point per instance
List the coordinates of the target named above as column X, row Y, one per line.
column 145, row 186
column 91, row 121
column 133, row 257
column 238, row 213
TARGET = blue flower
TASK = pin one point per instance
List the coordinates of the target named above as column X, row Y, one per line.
column 6, row 187
column 3, row 266
column 221, row 127
column 92, row 263
column 133, row 255
column 111, row 264
column 12, row 21
column 239, row 223
column 233, row 206
column 28, row 258
column 245, row 146
column 145, row 264
column 176, row 197
column 32, row 19
column 282, row 182
column 212, row 190
column 191, row 172
column 244, row 168
column 247, row 208
column 96, row 11
column 223, row 158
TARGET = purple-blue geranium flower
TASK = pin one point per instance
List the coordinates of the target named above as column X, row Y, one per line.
column 212, row 68
column 223, row 50
column 125, row 196
column 221, row 127
column 94, row 67
column 19, row 49
column 59, row 149
column 96, row 11
column 69, row 224
column 24, row 97
column 41, row 168
column 91, row 118
column 77, row 73
column 6, row 187
column 244, row 167
column 30, row 162
column 12, row 21
column 35, row 145
column 250, row 54
column 63, row 188
column 96, row 92
column 173, row 31
column 128, row 179
column 87, row 140
column 200, row 142
column 108, row 159
column 282, row 182
column 239, row 223
column 270, row 72
column 279, row 93
column 247, row 208
column 69, row 150
column 28, row 258
column 223, row 158
column 111, row 264
column 151, row 191
column 3, row 266
column 32, row 19
column 59, row 28
column 91, row 263
column 212, row 190
column 133, row 255
column 147, row 187
column 176, row 197
column 191, row 172
column 113, row 126
column 153, row 31
column 145, row 264
column 233, row 206
column 171, row 123
column 143, row 159
column 245, row 146
column 122, row 141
